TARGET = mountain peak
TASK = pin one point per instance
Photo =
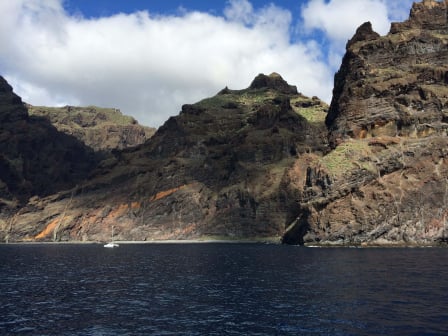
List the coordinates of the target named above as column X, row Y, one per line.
column 363, row 33
column 273, row 81
column 428, row 14
column 275, row 75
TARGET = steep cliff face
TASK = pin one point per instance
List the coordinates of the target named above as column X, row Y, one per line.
column 215, row 170
column 35, row 159
column 385, row 181
column 395, row 85
column 101, row 129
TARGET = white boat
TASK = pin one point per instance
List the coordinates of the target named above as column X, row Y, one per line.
column 111, row 244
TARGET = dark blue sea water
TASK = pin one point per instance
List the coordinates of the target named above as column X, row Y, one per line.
column 221, row 289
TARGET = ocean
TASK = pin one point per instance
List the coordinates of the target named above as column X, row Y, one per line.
column 221, row 289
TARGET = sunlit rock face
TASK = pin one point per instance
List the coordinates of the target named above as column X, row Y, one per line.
column 395, row 84
column 387, row 126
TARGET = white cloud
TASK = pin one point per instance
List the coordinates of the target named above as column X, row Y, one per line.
column 340, row 18
column 148, row 66
column 239, row 11
column 337, row 21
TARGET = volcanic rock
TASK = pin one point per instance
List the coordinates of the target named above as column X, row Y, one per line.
column 36, row 159
column 215, row 170
column 395, row 85
column 267, row 161
column 385, row 181
column 273, row 81
column 102, row 129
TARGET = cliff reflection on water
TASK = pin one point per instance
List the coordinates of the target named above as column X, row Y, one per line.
column 221, row 289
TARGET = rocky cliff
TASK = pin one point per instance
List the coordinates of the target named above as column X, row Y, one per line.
column 267, row 161
column 101, row 129
column 35, row 159
column 388, row 129
column 47, row 150
column 395, row 85
column 215, row 170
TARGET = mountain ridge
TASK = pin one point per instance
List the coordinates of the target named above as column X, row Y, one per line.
column 102, row 129
column 216, row 152
column 266, row 162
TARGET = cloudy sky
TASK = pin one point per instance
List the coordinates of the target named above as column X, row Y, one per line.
column 147, row 58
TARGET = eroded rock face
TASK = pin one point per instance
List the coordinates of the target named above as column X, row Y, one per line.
column 102, row 129
column 386, row 179
column 273, row 81
column 395, row 85
column 215, row 170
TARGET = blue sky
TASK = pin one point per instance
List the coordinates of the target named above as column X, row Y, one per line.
column 96, row 8
column 147, row 58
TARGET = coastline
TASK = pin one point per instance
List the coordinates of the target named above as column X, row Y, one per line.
column 271, row 241
column 275, row 241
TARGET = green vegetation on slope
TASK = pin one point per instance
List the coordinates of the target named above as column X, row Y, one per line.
column 91, row 116
column 348, row 156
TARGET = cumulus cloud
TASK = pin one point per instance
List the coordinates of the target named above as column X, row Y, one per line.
column 240, row 11
column 338, row 20
column 148, row 66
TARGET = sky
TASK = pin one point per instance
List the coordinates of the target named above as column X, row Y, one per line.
column 148, row 58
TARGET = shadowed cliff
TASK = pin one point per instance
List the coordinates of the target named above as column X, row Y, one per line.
column 36, row 159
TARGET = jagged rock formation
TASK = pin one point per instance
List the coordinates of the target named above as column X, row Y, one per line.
column 394, row 85
column 386, row 181
column 101, row 129
column 215, row 170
